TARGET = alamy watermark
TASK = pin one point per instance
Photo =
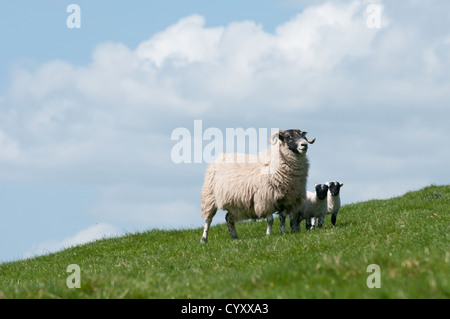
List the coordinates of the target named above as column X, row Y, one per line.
column 74, row 280
column 373, row 20
column 198, row 145
column 73, row 21
column 374, row 16
column 374, row 279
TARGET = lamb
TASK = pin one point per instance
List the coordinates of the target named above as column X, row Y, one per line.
column 276, row 181
column 334, row 201
column 314, row 208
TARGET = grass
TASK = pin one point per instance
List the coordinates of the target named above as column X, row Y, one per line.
column 407, row 236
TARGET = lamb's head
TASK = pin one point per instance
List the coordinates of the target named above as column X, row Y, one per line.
column 294, row 139
column 334, row 188
column 321, row 191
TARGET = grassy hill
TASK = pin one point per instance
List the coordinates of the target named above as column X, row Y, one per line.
column 407, row 237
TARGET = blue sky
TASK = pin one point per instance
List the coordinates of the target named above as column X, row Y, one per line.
column 86, row 115
column 36, row 32
column 42, row 210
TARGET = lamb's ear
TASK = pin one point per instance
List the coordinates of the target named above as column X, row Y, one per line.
column 342, row 184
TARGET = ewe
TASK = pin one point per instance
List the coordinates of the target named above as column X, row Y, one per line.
column 275, row 181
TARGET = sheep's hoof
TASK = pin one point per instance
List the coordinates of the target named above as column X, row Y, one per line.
column 203, row 240
column 234, row 237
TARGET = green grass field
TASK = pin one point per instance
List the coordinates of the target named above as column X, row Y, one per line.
column 407, row 237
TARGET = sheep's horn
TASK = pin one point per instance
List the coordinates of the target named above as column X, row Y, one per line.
column 271, row 139
column 310, row 142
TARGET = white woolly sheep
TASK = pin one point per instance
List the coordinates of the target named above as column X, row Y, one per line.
column 334, row 201
column 275, row 182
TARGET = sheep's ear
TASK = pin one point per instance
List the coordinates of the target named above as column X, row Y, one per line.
column 315, row 185
column 276, row 136
column 342, row 184
column 328, row 184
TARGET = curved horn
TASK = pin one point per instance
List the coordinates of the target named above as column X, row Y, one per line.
column 271, row 139
column 304, row 136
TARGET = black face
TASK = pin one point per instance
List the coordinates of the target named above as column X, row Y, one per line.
column 295, row 140
column 334, row 188
column 321, row 191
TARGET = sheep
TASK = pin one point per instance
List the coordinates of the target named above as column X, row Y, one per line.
column 334, row 201
column 313, row 208
column 276, row 181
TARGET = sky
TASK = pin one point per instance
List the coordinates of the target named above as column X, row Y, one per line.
column 88, row 113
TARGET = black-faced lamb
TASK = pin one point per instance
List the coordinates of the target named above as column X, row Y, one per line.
column 334, row 201
column 313, row 208
column 275, row 182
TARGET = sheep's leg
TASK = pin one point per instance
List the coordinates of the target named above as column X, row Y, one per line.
column 205, row 229
column 308, row 223
column 333, row 218
column 282, row 215
column 292, row 223
column 313, row 222
column 297, row 223
column 320, row 221
column 269, row 225
column 294, row 220
column 230, row 224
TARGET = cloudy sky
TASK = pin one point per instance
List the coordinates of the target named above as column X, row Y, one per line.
column 87, row 114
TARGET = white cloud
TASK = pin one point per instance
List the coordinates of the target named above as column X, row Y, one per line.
column 8, row 148
column 320, row 37
column 376, row 99
column 185, row 42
